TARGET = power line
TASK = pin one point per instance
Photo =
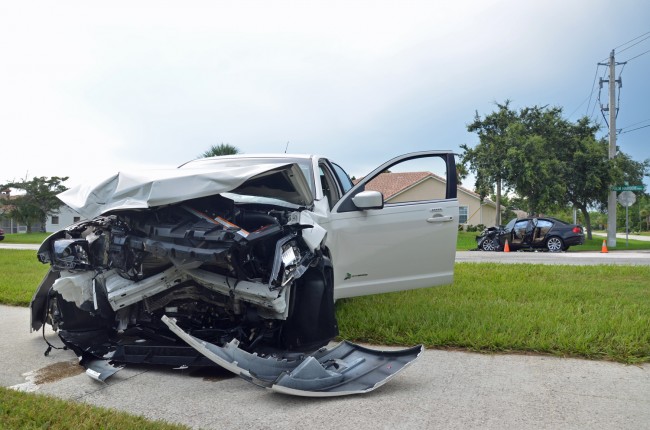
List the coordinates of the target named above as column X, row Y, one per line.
column 593, row 86
column 634, row 129
column 640, row 122
column 600, row 89
column 643, row 53
column 630, row 41
column 623, row 50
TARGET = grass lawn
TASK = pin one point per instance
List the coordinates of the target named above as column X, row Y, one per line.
column 33, row 411
column 33, row 238
column 597, row 312
column 20, row 274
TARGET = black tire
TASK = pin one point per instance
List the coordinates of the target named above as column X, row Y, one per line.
column 488, row 245
column 554, row 244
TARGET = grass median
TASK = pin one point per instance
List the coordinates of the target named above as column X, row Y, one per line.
column 31, row 411
column 596, row 312
column 25, row 238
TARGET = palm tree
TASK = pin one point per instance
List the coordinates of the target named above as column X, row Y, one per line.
column 220, row 149
column 644, row 214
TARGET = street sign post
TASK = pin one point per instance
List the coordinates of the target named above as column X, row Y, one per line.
column 628, row 188
column 626, row 199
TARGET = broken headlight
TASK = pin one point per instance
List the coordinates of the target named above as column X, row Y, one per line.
column 70, row 254
column 290, row 263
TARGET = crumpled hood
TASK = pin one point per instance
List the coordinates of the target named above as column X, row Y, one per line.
column 145, row 189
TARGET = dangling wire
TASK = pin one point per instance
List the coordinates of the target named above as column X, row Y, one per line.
column 49, row 345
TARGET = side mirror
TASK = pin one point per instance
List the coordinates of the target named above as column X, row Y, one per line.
column 369, row 200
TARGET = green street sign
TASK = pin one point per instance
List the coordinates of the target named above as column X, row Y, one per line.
column 628, row 188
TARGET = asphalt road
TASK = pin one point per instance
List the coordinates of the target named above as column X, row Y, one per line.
column 444, row 389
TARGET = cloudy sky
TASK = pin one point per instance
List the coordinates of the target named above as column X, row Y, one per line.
column 86, row 91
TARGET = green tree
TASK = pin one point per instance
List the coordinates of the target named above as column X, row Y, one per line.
column 38, row 200
column 546, row 159
column 644, row 213
column 533, row 167
column 486, row 159
column 588, row 172
column 558, row 163
column 220, row 149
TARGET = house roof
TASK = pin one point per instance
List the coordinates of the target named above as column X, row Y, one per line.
column 392, row 184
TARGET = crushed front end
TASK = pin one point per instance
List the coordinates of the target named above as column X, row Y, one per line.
column 234, row 277
column 223, row 271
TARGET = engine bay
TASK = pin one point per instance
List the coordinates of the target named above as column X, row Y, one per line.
column 222, row 270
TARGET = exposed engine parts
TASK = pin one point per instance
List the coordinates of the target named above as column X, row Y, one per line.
column 222, row 271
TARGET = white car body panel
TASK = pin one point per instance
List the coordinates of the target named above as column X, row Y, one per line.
column 362, row 242
column 393, row 248
column 146, row 189
column 399, row 247
column 242, row 257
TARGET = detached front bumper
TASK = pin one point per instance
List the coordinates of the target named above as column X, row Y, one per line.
column 343, row 370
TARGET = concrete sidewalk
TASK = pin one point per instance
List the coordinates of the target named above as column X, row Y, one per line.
column 622, row 236
column 444, row 389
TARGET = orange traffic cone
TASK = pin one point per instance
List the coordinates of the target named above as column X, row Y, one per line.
column 507, row 247
column 604, row 250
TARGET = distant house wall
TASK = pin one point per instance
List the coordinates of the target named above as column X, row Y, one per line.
column 61, row 219
column 472, row 211
column 477, row 212
column 422, row 190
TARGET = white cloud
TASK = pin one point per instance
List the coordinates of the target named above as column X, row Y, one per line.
column 88, row 88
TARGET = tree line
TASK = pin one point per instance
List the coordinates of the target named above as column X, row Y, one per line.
column 547, row 161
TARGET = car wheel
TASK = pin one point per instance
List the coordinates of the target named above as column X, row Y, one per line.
column 488, row 245
column 554, row 244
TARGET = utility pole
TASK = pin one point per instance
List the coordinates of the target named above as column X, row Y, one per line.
column 611, row 198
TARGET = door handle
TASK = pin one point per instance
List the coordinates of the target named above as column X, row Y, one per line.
column 440, row 218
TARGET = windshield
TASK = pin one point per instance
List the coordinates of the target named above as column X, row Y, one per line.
column 510, row 225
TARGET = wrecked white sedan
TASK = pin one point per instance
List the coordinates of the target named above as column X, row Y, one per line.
column 237, row 261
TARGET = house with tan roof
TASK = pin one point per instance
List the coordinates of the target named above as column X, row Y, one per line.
column 411, row 186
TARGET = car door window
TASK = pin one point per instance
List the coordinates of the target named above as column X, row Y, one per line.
column 329, row 184
column 343, row 177
column 520, row 229
column 543, row 226
column 411, row 181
